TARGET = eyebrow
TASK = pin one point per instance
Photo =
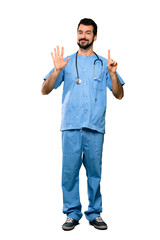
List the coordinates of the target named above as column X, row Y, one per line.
column 88, row 31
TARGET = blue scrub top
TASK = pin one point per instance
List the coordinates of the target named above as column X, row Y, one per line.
column 84, row 105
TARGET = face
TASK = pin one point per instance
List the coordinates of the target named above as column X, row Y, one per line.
column 85, row 36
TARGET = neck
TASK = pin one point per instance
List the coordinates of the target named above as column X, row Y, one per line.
column 86, row 52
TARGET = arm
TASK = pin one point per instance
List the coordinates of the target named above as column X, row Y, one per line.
column 59, row 64
column 117, row 88
column 49, row 83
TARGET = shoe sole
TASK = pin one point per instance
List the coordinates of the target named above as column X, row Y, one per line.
column 68, row 228
column 99, row 227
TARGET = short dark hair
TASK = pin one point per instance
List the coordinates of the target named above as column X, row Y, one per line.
column 87, row 22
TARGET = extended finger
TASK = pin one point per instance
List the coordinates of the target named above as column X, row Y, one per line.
column 55, row 52
column 62, row 51
column 52, row 55
column 58, row 50
column 109, row 56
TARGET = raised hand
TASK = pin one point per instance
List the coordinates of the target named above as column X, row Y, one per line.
column 112, row 65
column 58, row 60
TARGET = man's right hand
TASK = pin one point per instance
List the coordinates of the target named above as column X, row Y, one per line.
column 58, row 61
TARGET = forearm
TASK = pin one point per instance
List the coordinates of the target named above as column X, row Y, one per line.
column 117, row 88
column 49, row 83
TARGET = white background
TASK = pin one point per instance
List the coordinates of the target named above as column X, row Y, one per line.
column 30, row 155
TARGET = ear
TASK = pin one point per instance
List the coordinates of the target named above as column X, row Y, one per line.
column 95, row 37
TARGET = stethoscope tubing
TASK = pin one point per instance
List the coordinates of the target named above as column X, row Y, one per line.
column 78, row 81
column 98, row 59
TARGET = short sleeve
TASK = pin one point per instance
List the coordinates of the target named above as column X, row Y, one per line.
column 109, row 81
column 59, row 80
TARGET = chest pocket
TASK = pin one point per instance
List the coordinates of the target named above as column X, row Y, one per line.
column 99, row 90
column 99, row 95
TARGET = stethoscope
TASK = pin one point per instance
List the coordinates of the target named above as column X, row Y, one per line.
column 78, row 81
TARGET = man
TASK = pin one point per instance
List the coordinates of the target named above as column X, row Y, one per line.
column 86, row 76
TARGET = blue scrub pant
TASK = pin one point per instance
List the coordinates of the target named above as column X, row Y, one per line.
column 81, row 146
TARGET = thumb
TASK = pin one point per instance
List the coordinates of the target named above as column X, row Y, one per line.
column 67, row 60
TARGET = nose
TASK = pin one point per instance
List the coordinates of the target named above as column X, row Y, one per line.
column 82, row 36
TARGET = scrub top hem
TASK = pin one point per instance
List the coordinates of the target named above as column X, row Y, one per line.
column 64, row 128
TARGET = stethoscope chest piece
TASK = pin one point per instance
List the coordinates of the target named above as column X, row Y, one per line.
column 78, row 81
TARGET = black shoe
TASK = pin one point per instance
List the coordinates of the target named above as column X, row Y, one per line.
column 99, row 223
column 69, row 224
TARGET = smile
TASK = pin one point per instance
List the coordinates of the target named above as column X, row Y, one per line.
column 83, row 40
